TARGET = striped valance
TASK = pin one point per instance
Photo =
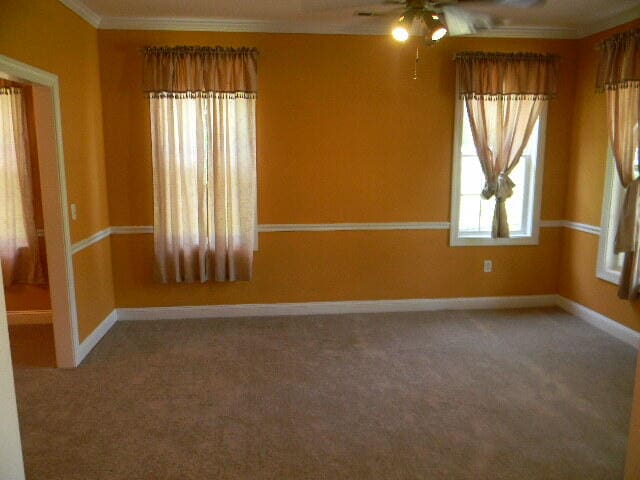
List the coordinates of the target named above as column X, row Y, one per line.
column 199, row 70
column 619, row 65
column 489, row 75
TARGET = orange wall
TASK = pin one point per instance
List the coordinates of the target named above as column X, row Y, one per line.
column 344, row 135
column 334, row 266
column 585, row 189
column 94, row 298
column 47, row 35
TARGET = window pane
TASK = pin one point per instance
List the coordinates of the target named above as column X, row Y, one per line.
column 469, row 212
column 468, row 147
column 476, row 213
column 486, row 214
column 471, row 176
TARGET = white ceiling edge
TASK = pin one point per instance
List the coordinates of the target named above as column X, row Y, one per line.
column 197, row 24
column 228, row 25
column 264, row 26
column 610, row 22
column 85, row 12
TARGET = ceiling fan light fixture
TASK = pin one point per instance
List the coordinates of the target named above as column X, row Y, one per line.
column 400, row 33
column 402, row 28
column 438, row 34
column 434, row 28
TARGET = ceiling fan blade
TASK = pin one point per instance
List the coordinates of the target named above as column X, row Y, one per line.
column 337, row 5
column 380, row 13
column 462, row 22
column 508, row 3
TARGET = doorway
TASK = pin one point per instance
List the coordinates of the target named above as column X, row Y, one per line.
column 42, row 315
column 26, row 281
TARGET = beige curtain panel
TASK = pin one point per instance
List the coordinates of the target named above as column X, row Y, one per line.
column 504, row 95
column 194, row 70
column 619, row 77
column 19, row 254
column 204, row 167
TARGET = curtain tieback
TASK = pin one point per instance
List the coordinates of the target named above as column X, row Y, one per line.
column 502, row 188
column 627, row 236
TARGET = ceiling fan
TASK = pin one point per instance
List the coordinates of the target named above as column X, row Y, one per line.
column 440, row 18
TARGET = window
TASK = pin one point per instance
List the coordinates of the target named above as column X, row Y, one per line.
column 472, row 214
column 18, row 242
column 202, row 104
column 610, row 263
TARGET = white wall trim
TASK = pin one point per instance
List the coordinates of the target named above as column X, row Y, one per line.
column 81, row 9
column 30, row 317
column 132, row 230
column 87, row 242
column 552, row 223
column 324, row 308
column 100, row 331
column 600, row 321
column 324, row 227
column 11, row 461
column 309, row 227
column 582, row 227
column 597, row 320
column 333, row 227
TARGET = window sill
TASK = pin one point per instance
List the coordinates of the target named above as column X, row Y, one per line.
column 469, row 241
column 611, row 276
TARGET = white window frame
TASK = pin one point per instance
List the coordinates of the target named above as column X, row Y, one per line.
column 608, row 225
column 458, row 239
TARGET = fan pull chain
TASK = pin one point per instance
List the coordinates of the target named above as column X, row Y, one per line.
column 415, row 66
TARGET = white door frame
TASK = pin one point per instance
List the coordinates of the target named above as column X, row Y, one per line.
column 58, row 235
column 11, row 463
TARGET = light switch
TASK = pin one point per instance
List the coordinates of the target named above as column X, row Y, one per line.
column 488, row 266
column 74, row 212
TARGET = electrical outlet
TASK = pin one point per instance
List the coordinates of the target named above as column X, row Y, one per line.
column 74, row 212
column 488, row 266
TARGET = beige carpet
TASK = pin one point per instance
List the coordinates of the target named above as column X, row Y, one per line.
column 530, row 394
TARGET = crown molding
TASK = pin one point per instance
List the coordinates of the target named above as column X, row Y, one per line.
column 610, row 22
column 232, row 25
column 264, row 26
column 311, row 27
column 78, row 7
column 534, row 31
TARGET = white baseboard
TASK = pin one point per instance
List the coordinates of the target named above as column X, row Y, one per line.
column 599, row 321
column 92, row 340
column 319, row 308
column 596, row 319
column 30, row 317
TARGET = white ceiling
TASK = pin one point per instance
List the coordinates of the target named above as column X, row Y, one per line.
column 561, row 18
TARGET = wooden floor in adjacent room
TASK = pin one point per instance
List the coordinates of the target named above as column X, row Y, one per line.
column 32, row 345
column 519, row 394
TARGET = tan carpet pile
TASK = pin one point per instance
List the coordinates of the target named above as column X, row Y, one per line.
column 520, row 394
